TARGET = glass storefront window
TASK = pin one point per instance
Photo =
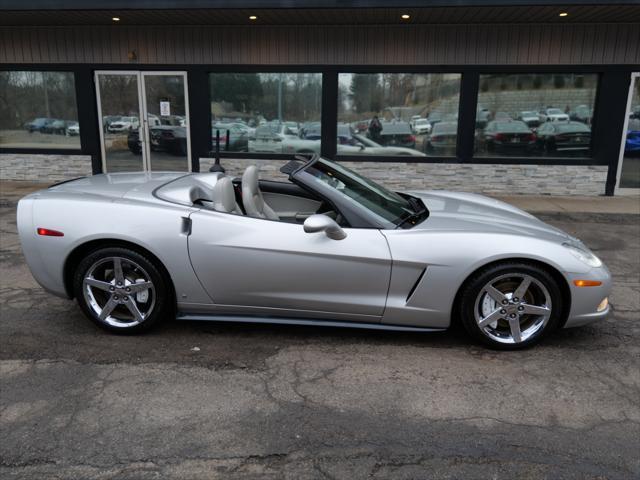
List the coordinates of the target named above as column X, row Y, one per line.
column 523, row 115
column 38, row 110
column 266, row 112
column 398, row 114
column 630, row 174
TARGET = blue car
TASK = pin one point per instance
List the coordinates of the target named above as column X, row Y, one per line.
column 38, row 125
column 632, row 145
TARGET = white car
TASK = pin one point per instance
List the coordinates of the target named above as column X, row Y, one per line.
column 555, row 115
column 73, row 129
column 125, row 124
column 421, row 126
column 356, row 145
column 270, row 138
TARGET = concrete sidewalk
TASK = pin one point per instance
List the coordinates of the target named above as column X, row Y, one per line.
column 13, row 190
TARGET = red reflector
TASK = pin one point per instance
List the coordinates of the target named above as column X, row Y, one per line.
column 49, row 233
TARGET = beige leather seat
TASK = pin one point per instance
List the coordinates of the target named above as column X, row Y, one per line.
column 252, row 199
column 224, row 198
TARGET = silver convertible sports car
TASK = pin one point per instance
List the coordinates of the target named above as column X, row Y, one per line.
column 329, row 247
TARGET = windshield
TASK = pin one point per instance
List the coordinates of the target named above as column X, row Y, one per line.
column 388, row 205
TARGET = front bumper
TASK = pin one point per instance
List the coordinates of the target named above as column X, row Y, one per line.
column 585, row 300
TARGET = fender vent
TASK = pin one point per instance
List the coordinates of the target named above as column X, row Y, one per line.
column 415, row 285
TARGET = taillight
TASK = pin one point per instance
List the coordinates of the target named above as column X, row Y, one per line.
column 436, row 138
column 411, row 138
column 500, row 137
column 532, row 137
column 47, row 232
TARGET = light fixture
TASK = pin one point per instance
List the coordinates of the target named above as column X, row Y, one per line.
column 405, row 16
column 115, row 19
column 253, row 17
column 563, row 14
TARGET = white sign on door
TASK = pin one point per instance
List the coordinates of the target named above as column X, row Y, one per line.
column 165, row 109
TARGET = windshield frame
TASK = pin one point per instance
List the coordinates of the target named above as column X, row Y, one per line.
column 407, row 210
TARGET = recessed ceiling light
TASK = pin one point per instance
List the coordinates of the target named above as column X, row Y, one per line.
column 253, row 17
column 405, row 16
column 563, row 14
column 115, row 19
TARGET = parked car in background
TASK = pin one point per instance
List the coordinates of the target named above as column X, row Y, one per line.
column 582, row 113
column 349, row 143
column 238, row 137
column 530, row 117
column 555, row 115
column 293, row 127
column 369, row 147
column 568, row 136
column 632, row 143
column 269, row 138
column 108, row 120
column 57, row 127
column 502, row 116
column 396, row 134
column 412, row 120
column 73, row 129
column 483, row 115
column 169, row 138
column 421, row 126
column 133, row 142
column 124, row 125
column 38, row 124
column 507, row 137
column 442, row 140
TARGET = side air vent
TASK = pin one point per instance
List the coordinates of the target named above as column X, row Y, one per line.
column 415, row 285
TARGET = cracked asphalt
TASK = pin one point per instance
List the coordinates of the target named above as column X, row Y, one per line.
column 207, row 401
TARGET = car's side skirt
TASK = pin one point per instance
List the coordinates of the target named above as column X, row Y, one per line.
column 304, row 322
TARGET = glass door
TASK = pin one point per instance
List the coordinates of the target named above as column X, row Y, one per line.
column 166, row 110
column 144, row 121
column 629, row 164
column 119, row 113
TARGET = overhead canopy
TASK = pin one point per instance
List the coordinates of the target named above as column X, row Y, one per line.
column 309, row 12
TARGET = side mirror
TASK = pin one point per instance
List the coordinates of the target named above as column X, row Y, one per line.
column 322, row 223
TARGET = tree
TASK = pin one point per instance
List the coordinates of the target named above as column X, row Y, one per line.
column 366, row 92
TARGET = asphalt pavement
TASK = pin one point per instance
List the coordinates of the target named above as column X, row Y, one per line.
column 205, row 400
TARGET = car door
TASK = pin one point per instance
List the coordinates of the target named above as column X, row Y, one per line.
column 270, row 266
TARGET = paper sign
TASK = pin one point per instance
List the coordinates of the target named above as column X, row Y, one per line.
column 165, row 109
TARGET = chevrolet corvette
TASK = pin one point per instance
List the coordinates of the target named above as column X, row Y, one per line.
column 328, row 247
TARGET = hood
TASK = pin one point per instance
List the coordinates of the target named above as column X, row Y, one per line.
column 116, row 185
column 456, row 211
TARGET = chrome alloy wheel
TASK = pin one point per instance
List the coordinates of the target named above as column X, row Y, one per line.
column 119, row 291
column 512, row 308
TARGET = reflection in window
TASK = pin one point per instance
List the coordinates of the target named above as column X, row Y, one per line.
column 630, row 174
column 38, row 110
column 535, row 114
column 265, row 112
column 398, row 113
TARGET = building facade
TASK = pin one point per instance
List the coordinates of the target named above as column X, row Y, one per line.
column 495, row 97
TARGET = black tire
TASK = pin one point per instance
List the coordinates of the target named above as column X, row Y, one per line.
column 473, row 287
column 164, row 300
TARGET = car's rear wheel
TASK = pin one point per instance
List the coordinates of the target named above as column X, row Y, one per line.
column 122, row 290
column 511, row 305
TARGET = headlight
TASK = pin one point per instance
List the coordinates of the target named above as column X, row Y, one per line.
column 583, row 254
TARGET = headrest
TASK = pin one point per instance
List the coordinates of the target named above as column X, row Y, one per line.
column 224, row 199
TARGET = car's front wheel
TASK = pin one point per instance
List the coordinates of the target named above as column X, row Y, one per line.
column 511, row 305
column 122, row 290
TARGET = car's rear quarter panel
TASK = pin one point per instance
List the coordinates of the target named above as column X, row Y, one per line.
column 155, row 226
